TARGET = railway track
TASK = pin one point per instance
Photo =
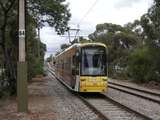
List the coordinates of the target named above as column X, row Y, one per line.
column 146, row 94
column 108, row 109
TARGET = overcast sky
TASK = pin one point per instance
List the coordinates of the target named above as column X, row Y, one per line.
column 103, row 11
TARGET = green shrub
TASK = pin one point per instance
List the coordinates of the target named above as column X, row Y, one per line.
column 38, row 69
column 35, row 67
column 140, row 65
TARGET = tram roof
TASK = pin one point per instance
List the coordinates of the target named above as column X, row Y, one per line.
column 77, row 45
column 90, row 44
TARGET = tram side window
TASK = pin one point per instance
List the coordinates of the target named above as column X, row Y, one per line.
column 75, row 65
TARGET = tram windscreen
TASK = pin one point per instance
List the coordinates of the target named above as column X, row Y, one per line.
column 93, row 61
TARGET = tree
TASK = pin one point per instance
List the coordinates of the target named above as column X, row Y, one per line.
column 137, row 28
column 144, row 61
column 49, row 59
column 8, row 41
column 35, row 49
column 140, row 65
column 64, row 46
column 119, row 40
column 151, row 25
column 81, row 39
column 39, row 12
column 53, row 12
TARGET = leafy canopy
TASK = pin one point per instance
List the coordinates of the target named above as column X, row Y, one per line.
column 55, row 13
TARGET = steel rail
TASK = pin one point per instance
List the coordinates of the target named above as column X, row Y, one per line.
column 127, row 109
column 134, row 88
column 93, row 108
column 135, row 92
column 100, row 113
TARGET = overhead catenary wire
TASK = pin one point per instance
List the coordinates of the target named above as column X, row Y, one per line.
column 78, row 25
column 89, row 10
column 85, row 15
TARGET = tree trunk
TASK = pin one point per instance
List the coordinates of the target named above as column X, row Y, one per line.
column 10, row 67
column 10, row 70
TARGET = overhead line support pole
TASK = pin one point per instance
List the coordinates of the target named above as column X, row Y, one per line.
column 22, row 100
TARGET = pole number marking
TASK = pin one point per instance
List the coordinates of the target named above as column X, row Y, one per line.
column 21, row 33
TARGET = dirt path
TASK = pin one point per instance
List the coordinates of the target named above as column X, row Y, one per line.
column 48, row 100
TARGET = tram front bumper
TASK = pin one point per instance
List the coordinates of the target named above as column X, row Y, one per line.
column 96, row 84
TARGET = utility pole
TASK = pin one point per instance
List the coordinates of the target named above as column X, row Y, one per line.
column 77, row 32
column 69, row 36
column 22, row 65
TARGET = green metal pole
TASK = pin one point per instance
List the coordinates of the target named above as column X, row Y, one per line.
column 22, row 65
column 22, row 87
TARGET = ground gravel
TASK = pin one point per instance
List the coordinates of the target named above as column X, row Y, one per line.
column 48, row 100
column 146, row 107
column 68, row 106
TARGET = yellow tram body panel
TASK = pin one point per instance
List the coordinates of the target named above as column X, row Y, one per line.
column 93, row 84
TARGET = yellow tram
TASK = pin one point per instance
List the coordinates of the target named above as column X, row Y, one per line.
column 83, row 67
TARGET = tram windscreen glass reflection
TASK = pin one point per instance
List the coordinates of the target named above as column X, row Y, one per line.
column 93, row 61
